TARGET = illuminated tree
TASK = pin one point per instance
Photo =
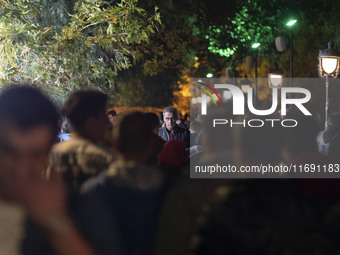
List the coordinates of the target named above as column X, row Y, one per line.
column 260, row 21
column 63, row 45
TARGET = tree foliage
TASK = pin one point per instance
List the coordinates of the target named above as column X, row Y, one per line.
column 158, row 65
column 174, row 50
column 262, row 21
column 64, row 45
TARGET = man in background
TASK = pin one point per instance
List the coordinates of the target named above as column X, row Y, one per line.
column 112, row 115
column 171, row 130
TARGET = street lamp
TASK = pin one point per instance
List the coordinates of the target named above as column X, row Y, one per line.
column 255, row 46
column 209, row 75
column 328, row 67
column 275, row 79
column 291, row 22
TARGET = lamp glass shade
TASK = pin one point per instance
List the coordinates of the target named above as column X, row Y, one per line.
column 255, row 45
column 227, row 94
column 275, row 80
column 329, row 64
column 245, row 87
column 291, row 23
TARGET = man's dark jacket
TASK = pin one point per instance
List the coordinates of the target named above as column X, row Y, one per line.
column 179, row 133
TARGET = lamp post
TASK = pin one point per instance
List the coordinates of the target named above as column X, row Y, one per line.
column 245, row 84
column 255, row 46
column 290, row 24
column 328, row 67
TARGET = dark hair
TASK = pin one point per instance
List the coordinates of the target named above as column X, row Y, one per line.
column 82, row 104
column 112, row 112
column 27, row 107
column 172, row 110
column 152, row 119
column 132, row 133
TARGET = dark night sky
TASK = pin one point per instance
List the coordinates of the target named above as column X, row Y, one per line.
column 217, row 11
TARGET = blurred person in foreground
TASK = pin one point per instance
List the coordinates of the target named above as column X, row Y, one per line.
column 154, row 123
column 172, row 159
column 131, row 192
column 82, row 156
column 28, row 129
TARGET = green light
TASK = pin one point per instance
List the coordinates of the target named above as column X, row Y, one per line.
column 209, row 75
column 255, row 45
column 291, row 22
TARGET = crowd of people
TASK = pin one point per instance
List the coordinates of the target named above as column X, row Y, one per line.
column 89, row 181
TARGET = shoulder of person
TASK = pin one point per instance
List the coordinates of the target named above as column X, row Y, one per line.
column 182, row 129
column 162, row 129
column 94, row 183
column 68, row 145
